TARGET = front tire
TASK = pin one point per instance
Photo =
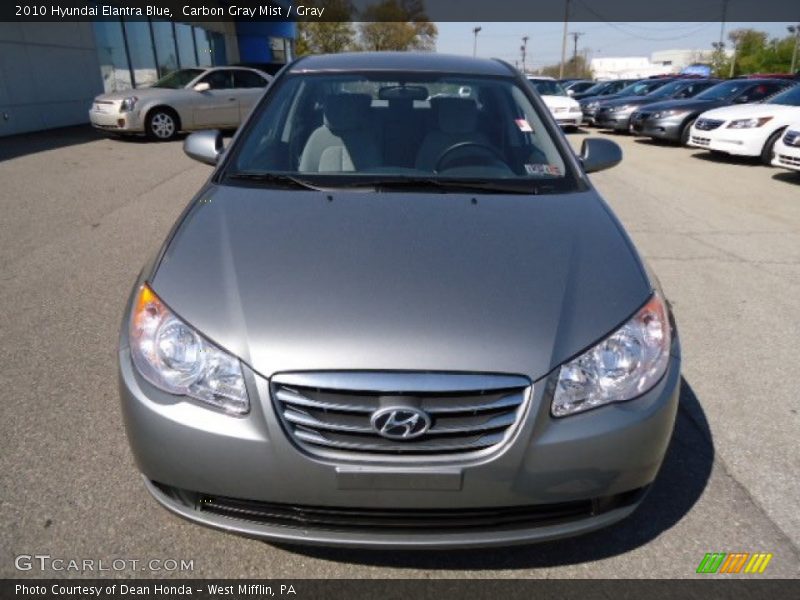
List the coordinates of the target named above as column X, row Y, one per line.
column 768, row 151
column 686, row 131
column 162, row 124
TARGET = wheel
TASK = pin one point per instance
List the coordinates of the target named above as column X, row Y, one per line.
column 161, row 124
column 686, row 131
column 768, row 151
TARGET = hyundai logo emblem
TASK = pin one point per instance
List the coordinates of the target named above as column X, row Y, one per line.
column 400, row 423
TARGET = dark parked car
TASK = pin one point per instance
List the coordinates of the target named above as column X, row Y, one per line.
column 672, row 120
column 590, row 106
column 616, row 114
column 394, row 321
column 579, row 85
column 604, row 88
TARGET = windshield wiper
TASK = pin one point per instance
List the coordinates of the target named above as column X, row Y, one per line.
column 505, row 187
column 277, row 179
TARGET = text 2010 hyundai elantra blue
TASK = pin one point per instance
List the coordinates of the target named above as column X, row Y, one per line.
column 399, row 315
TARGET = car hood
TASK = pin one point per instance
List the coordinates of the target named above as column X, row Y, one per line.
column 687, row 104
column 746, row 111
column 295, row 280
column 559, row 101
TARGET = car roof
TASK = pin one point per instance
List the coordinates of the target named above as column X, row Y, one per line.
column 400, row 61
column 540, row 78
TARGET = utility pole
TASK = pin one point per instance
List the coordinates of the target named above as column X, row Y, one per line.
column 564, row 41
column 524, row 49
column 575, row 35
column 795, row 29
column 475, row 31
column 722, row 23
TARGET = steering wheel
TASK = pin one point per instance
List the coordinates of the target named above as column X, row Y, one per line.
column 461, row 145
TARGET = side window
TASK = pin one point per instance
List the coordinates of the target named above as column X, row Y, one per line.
column 761, row 91
column 218, row 80
column 688, row 91
column 248, row 79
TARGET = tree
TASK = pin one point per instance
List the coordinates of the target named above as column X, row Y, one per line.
column 576, row 67
column 752, row 52
column 325, row 37
column 397, row 25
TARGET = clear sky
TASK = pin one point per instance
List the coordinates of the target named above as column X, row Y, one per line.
column 503, row 40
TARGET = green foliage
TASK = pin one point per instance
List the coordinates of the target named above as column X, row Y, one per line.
column 754, row 53
column 389, row 25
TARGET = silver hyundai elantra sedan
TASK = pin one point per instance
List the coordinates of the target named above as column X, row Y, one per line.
column 399, row 315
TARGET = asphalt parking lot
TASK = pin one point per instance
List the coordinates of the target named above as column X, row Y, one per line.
column 80, row 214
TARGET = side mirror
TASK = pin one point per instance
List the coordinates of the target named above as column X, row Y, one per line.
column 598, row 154
column 570, row 93
column 204, row 146
column 203, row 86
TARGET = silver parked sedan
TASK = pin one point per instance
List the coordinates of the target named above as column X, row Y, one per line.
column 184, row 100
column 399, row 317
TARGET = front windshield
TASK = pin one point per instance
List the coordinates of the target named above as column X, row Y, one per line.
column 596, row 88
column 640, row 88
column 353, row 129
column 547, row 87
column 177, row 79
column 723, row 91
column 668, row 90
column 790, row 97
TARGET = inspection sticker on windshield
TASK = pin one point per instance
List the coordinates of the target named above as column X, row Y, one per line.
column 542, row 169
column 523, row 125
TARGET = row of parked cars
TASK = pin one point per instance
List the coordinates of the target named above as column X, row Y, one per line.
column 756, row 116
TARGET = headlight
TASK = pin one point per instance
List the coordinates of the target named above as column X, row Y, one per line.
column 667, row 113
column 623, row 366
column 575, row 108
column 175, row 358
column 128, row 104
column 594, row 104
column 748, row 123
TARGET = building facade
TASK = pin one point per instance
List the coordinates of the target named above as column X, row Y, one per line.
column 50, row 72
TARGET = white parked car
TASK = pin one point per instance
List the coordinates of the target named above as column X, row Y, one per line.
column 747, row 129
column 567, row 112
column 787, row 149
column 184, row 100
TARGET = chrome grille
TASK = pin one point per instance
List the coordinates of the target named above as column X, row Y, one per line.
column 700, row 141
column 325, row 412
column 707, row 124
column 792, row 138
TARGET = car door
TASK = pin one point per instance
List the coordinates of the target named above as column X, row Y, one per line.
column 248, row 86
column 217, row 106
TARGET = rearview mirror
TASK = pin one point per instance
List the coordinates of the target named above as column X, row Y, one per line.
column 204, row 146
column 203, row 86
column 598, row 154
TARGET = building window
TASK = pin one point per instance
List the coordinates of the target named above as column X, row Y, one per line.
column 203, row 44
column 140, row 53
column 281, row 49
column 187, row 57
column 218, row 54
column 112, row 55
column 166, row 52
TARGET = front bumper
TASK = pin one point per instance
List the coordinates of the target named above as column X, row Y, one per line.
column 613, row 120
column 666, row 128
column 602, row 459
column 737, row 142
column 786, row 157
column 127, row 122
column 568, row 119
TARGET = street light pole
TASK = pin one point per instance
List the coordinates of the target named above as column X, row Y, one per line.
column 475, row 31
column 524, row 49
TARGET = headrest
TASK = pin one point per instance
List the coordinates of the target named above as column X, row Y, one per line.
column 344, row 112
column 457, row 115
